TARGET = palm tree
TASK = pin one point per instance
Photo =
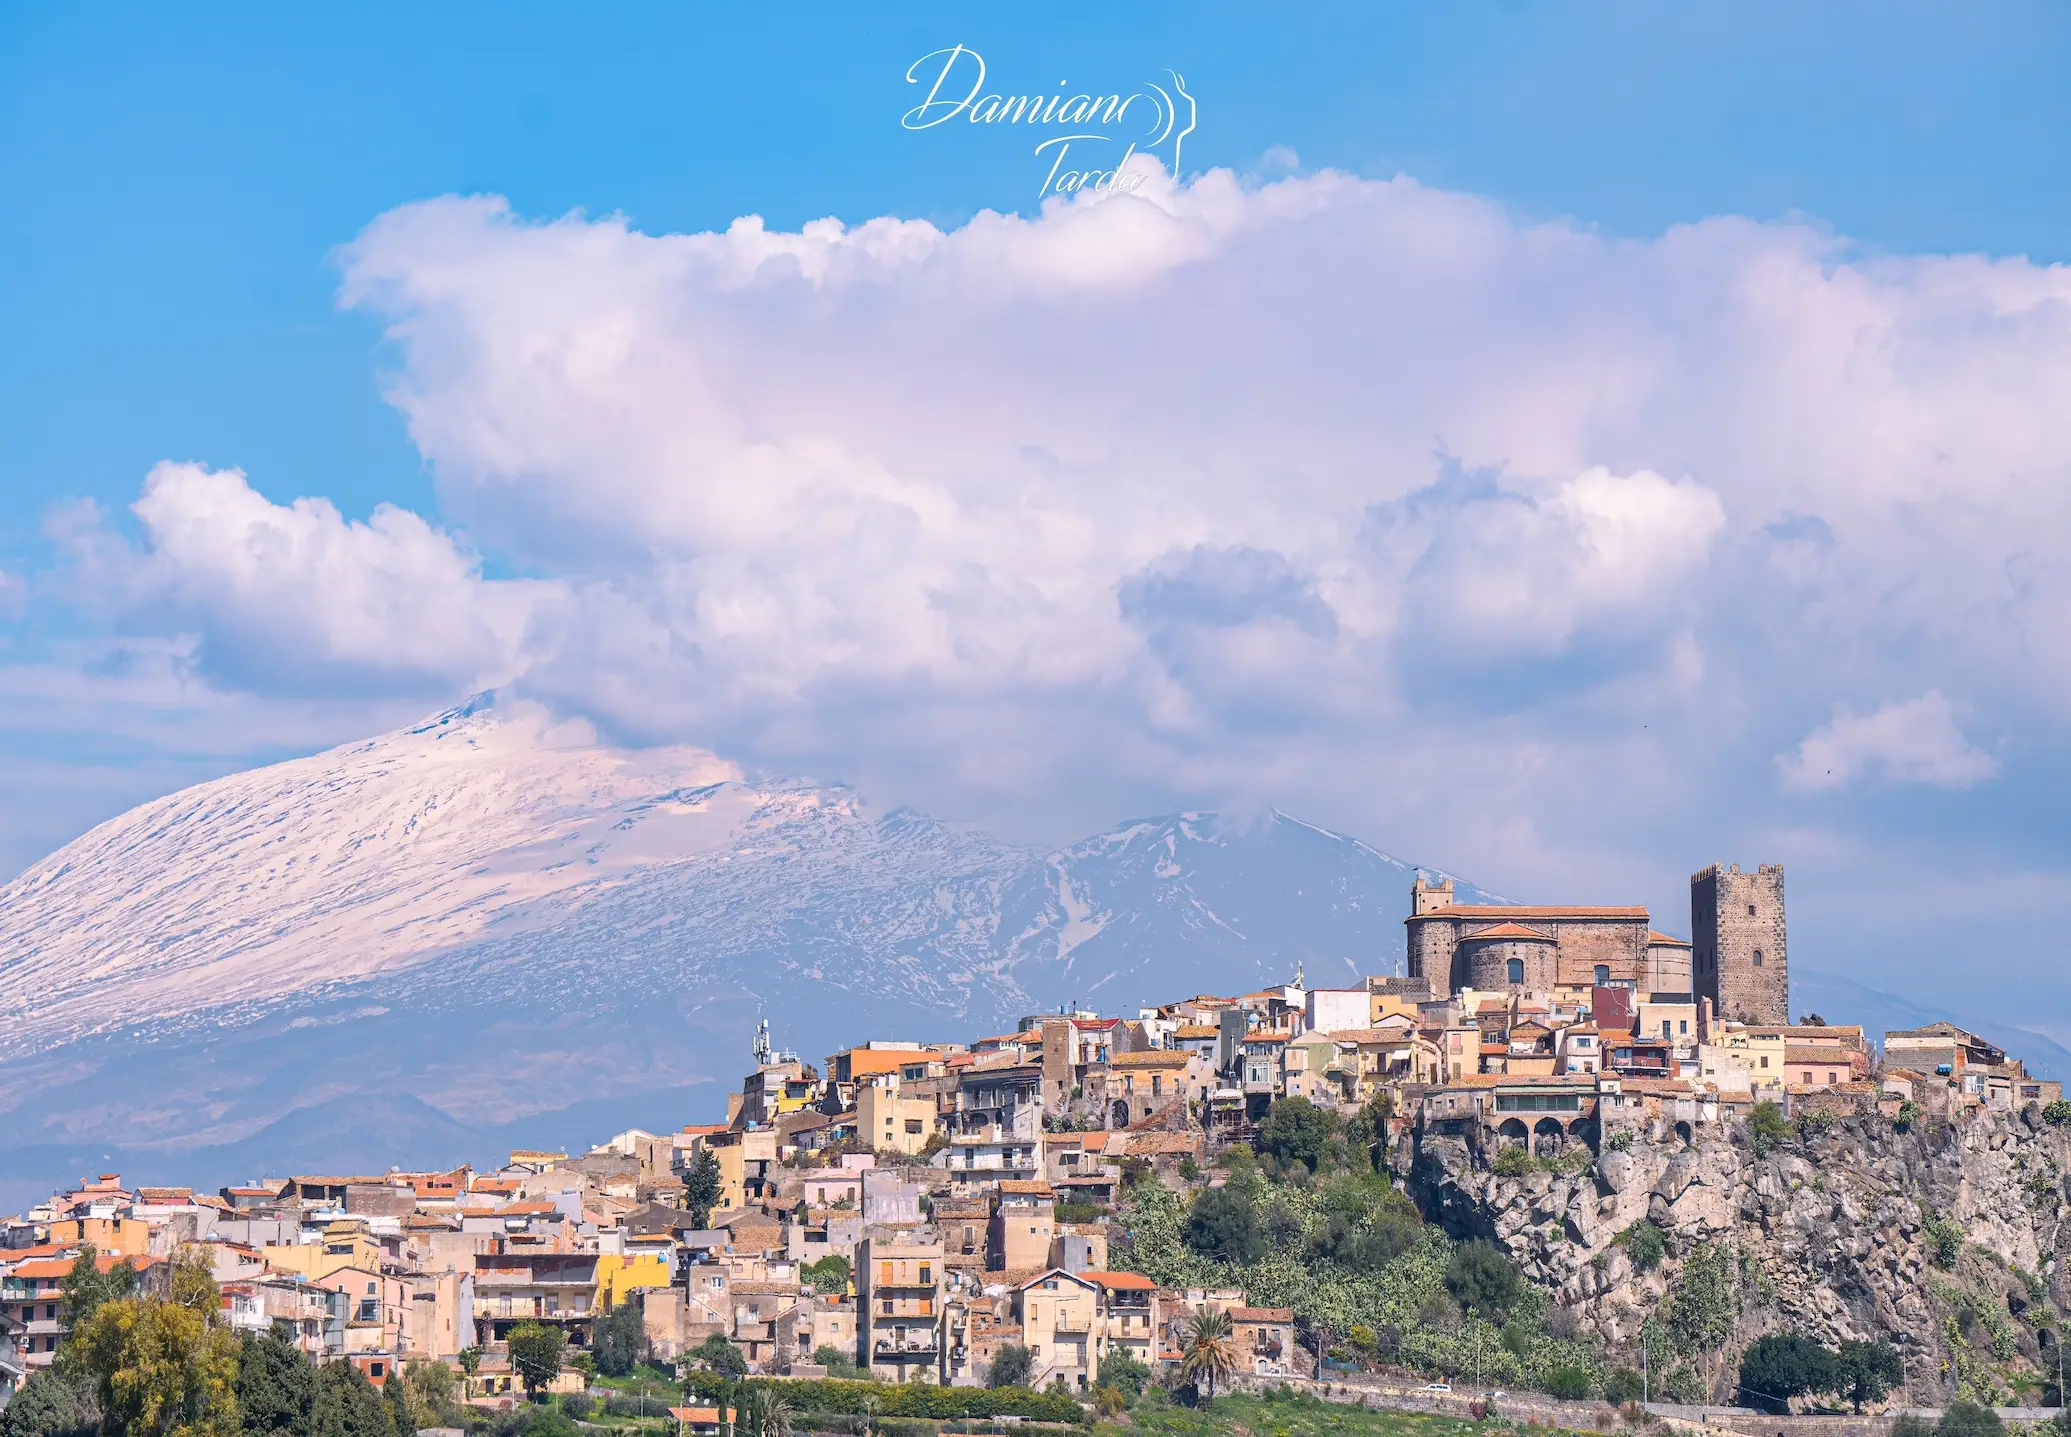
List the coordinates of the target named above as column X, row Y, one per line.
column 1211, row 1350
column 764, row 1413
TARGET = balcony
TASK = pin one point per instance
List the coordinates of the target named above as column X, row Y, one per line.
column 912, row 1348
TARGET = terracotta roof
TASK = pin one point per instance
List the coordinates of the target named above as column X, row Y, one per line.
column 1151, row 1058
column 1478, row 910
column 1261, row 1314
column 1196, row 1030
column 1020, row 1187
column 1818, row 1055
column 1654, row 936
column 695, row 1414
column 1508, row 930
column 1131, row 1281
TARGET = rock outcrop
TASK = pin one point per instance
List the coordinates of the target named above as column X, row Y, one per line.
column 1949, row 1240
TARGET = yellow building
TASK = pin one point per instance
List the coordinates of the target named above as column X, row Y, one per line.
column 887, row 1118
column 1764, row 1051
column 344, row 1244
column 620, row 1275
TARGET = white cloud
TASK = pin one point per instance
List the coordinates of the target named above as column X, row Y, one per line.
column 293, row 597
column 1523, row 544
column 1914, row 741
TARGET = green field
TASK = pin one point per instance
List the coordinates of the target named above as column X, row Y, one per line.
column 1290, row 1415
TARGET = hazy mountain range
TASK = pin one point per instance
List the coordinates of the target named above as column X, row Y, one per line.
column 489, row 929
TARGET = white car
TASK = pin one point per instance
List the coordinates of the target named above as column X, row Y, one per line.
column 1436, row 1387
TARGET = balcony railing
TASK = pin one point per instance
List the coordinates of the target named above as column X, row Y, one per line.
column 892, row 1349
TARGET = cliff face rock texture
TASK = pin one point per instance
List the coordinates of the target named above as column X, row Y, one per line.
column 1948, row 1240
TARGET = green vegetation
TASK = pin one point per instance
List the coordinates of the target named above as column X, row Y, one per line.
column 1767, row 1128
column 1908, row 1116
column 1010, row 1367
column 2058, row 1113
column 1705, row 1299
column 1779, row 1367
column 883, row 1399
column 829, row 1275
column 620, row 1340
column 702, row 1187
column 1287, row 1414
column 1350, row 1253
column 1645, row 1244
column 716, row 1354
column 536, row 1350
column 1943, row 1236
column 1963, row 1418
column 840, row 1365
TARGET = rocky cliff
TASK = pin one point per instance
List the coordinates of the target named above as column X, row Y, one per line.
column 1947, row 1238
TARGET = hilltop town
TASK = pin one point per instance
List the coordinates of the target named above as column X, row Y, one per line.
column 918, row 1212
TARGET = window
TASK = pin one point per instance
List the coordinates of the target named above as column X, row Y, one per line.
column 1516, row 970
column 1765, row 1060
column 888, row 1307
column 927, row 1273
column 1603, row 974
column 1750, row 910
column 1830, row 1076
column 1758, row 957
column 1684, row 1024
column 1664, row 1028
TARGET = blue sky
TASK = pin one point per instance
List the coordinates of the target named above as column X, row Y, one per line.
column 188, row 190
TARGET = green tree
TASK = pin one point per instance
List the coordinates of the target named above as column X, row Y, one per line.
column 346, row 1405
column 716, row 1354
column 619, row 1339
column 434, row 1395
column 276, row 1387
column 1011, row 1365
column 1868, row 1370
column 1776, row 1368
column 53, row 1403
column 830, row 1274
column 1125, row 1374
column 703, row 1186
column 1964, row 1418
column 1223, row 1224
column 159, row 1368
column 1297, row 1131
column 1482, row 1280
column 1209, row 1348
column 536, row 1349
column 1569, row 1382
column 1768, row 1128
column 87, row 1286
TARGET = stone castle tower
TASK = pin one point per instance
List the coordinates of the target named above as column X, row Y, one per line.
column 1736, row 931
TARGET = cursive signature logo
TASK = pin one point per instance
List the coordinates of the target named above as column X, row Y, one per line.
column 1107, row 128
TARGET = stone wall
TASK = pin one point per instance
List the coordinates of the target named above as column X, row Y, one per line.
column 1737, row 934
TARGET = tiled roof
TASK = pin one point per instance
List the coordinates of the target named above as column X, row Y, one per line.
column 1508, row 930
column 1654, row 936
column 1261, row 1314
column 1131, row 1281
column 1477, row 910
column 1151, row 1058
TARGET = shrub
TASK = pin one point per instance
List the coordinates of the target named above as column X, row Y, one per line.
column 577, row 1405
column 1815, row 1123
column 1569, row 1382
column 1645, row 1244
column 1297, row 1131
column 1767, row 1127
column 1482, row 1280
column 2058, row 1113
column 1908, row 1115
column 1910, row 1426
column 1622, row 1385
column 1123, row 1373
column 1964, row 1418
column 1515, row 1161
column 1943, row 1236
column 829, row 1275
column 1619, row 1141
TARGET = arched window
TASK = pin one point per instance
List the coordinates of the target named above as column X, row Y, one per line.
column 1516, row 967
column 1603, row 974
column 1758, row 957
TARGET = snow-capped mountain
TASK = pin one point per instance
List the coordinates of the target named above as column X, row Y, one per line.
column 492, row 926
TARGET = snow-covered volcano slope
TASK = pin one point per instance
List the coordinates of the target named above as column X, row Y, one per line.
column 490, row 918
